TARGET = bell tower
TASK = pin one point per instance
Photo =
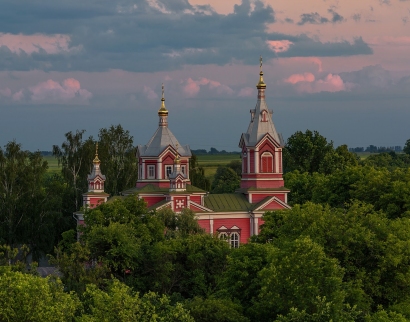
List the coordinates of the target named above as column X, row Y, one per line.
column 261, row 148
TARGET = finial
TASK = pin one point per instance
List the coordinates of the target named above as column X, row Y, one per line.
column 96, row 154
column 163, row 111
column 261, row 84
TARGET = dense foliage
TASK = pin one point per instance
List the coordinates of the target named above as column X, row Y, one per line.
column 342, row 253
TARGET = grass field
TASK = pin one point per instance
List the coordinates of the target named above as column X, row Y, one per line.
column 52, row 164
column 211, row 162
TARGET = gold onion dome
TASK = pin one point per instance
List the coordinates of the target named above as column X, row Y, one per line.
column 163, row 110
column 261, row 83
column 96, row 160
column 177, row 159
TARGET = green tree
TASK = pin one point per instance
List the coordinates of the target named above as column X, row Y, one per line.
column 406, row 148
column 24, row 297
column 215, row 309
column 236, row 165
column 240, row 281
column 118, row 159
column 120, row 303
column 26, row 204
column 372, row 249
column 225, row 181
column 307, row 152
column 197, row 174
column 75, row 156
column 300, row 275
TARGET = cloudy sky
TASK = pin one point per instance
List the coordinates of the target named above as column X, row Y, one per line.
column 339, row 67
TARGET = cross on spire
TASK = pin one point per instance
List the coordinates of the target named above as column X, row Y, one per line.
column 260, row 63
column 163, row 91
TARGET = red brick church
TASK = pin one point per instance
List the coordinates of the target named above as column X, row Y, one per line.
column 163, row 165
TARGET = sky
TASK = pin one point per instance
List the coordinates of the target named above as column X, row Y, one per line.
column 341, row 68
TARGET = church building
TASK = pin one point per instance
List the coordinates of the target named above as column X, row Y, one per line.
column 163, row 177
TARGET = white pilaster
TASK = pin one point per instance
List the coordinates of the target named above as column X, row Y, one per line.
column 159, row 169
column 256, row 161
column 256, row 226
column 248, row 160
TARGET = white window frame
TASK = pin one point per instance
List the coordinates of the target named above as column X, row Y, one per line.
column 168, row 170
column 234, row 240
column 183, row 169
column 151, row 171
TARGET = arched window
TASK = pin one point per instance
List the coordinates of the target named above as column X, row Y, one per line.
column 223, row 236
column 234, row 240
column 267, row 162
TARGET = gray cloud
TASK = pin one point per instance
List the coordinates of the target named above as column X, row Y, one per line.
column 137, row 36
column 356, row 17
column 316, row 18
column 304, row 47
column 373, row 77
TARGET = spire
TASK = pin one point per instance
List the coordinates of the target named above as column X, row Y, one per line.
column 261, row 117
column 96, row 178
column 261, row 84
column 96, row 160
column 163, row 112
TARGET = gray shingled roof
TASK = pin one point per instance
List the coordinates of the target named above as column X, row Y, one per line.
column 161, row 139
column 258, row 129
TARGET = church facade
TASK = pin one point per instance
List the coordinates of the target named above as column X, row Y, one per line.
column 163, row 165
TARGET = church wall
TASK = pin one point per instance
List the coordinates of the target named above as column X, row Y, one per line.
column 205, row 224
column 153, row 200
column 94, row 202
column 196, row 199
column 242, row 223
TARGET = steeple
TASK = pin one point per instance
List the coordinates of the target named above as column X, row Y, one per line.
column 96, row 179
column 163, row 112
column 261, row 117
column 261, row 147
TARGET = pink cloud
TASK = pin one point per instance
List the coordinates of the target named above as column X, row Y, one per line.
column 149, row 93
column 69, row 89
column 246, row 92
column 331, row 83
column 306, row 83
column 297, row 78
column 5, row 92
column 17, row 96
column 279, row 46
column 52, row 44
column 192, row 87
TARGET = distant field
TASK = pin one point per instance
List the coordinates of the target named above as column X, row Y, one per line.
column 52, row 164
column 211, row 162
